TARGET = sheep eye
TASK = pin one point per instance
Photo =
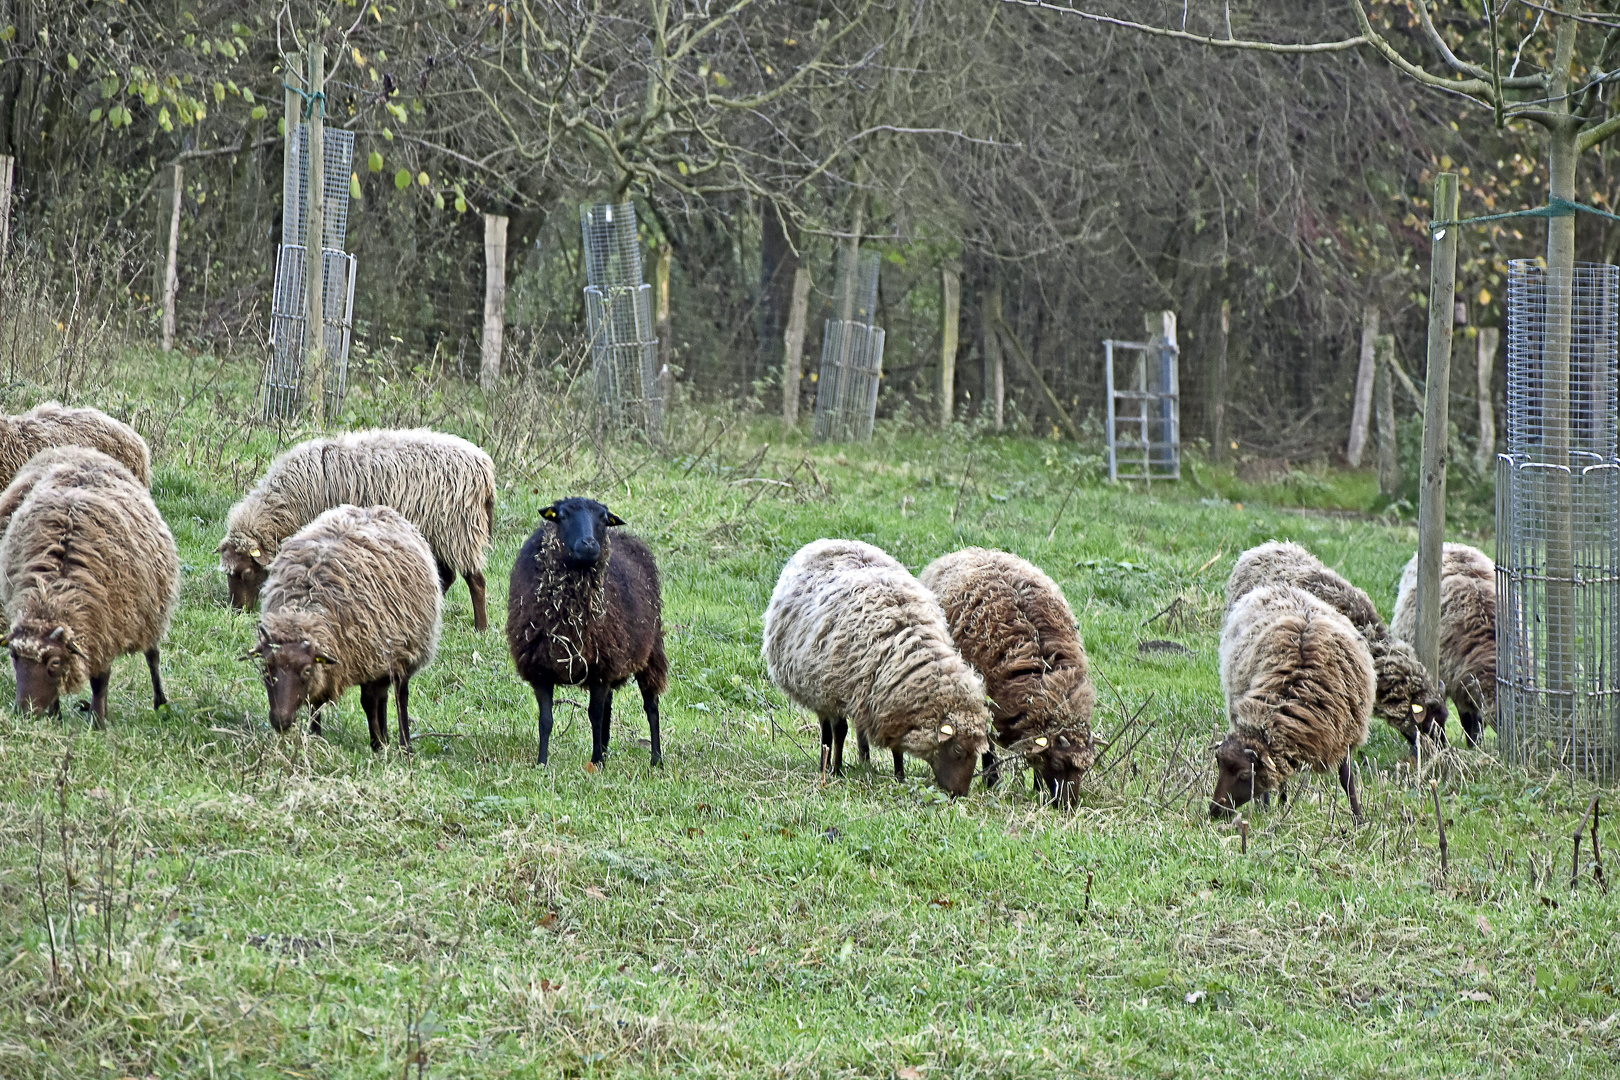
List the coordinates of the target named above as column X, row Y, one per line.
column 308, row 670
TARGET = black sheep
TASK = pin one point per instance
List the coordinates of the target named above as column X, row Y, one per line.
column 584, row 609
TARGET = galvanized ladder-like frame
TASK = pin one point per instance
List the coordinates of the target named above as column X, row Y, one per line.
column 1145, row 458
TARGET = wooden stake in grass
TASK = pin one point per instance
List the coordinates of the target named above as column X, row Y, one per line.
column 1439, row 824
column 1243, row 831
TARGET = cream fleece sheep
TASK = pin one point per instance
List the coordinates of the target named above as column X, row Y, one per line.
column 88, row 573
column 1408, row 698
column 854, row 638
column 352, row 600
column 50, row 424
column 442, row 484
column 1467, row 630
column 1299, row 686
column 1014, row 625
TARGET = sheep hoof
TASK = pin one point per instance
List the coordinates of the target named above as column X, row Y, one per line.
column 592, row 767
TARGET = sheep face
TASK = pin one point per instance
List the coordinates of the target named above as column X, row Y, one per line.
column 582, row 526
column 1407, row 698
column 1241, row 773
column 245, row 573
column 1059, row 762
column 956, row 753
column 294, row 673
column 42, row 666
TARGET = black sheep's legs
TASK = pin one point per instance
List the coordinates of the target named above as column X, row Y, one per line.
column 1472, row 725
column 447, row 576
column 864, row 746
column 607, row 720
column 542, row 695
column 991, row 773
column 402, row 696
column 900, row 766
column 374, row 701
column 601, row 696
column 826, row 745
column 476, row 589
column 1347, row 780
column 158, row 700
column 840, row 730
column 98, row 698
column 649, row 702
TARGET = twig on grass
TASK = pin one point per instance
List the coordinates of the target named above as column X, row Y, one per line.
column 962, row 487
column 1439, row 824
column 1591, row 815
column 1050, row 533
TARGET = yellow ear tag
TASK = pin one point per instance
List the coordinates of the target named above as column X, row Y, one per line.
column 946, row 730
column 1416, row 708
column 1041, row 741
column 254, row 554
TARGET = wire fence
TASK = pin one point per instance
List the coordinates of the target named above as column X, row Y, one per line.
column 1558, row 523
column 619, row 318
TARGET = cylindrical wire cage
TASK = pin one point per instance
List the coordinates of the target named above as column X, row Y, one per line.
column 619, row 316
column 847, row 385
column 1558, row 524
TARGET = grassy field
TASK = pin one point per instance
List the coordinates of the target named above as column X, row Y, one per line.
column 191, row 895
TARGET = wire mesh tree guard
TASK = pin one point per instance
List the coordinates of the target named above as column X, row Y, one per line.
column 619, row 316
column 851, row 354
column 1558, row 523
column 284, row 369
column 1144, row 416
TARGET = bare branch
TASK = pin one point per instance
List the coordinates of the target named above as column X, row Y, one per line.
column 1198, row 39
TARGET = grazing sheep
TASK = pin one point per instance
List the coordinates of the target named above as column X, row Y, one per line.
column 1408, row 699
column 50, row 424
column 1299, row 686
column 352, row 600
column 1467, row 631
column 1013, row 624
column 88, row 573
column 584, row 607
column 443, row 485
column 854, row 638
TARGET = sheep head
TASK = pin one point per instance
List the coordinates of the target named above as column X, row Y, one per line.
column 1242, row 771
column 1408, row 699
column 582, row 529
column 295, row 673
column 1059, row 759
column 247, row 566
column 953, row 750
column 47, row 661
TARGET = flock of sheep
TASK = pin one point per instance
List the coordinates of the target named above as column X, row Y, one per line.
column 349, row 543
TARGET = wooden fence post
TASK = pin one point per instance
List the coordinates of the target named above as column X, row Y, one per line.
column 171, row 260
column 489, row 370
column 1217, row 444
column 1362, row 411
column 1389, row 461
column 7, row 170
column 1485, row 453
column 793, row 344
column 950, row 311
column 315, row 235
column 995, row 374
column 1436, row 406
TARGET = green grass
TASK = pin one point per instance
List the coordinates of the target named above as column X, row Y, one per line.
column 251, row 905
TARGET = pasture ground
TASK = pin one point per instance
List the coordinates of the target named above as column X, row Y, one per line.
column 191, row 895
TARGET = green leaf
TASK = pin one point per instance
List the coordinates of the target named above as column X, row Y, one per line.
column 388, row 134
column 163, row 119
column 259, row 114
column 281, row 124
column 247, row 95
column 438, row 200
column 219, row 92
column 150, row 93
column 354, row 186
column 8, row 34
column 73, row 62
column 374, row 162
column 402, row 179
column 422, row 178
column 461, row 205
column 95, row 116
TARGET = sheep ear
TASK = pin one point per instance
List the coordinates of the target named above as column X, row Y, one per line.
column 1041, row 742
column 946, row 731
column 322, row 658
column 549, row 513
column 613, row 519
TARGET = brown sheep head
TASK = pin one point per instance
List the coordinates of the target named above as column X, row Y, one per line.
column 247, row 567
column 1059, row 759
column 1242, row 772
column 1408, row 699
column 295, row 673
column 47, row 662
column 953, row 749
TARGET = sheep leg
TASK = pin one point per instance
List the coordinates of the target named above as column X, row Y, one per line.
column 607, row 720
column 649, row 702
column 98, row 698
column 840, row 730
column 542, row 695
column 1347, row 780
column 601, row 700
column 158, row 698
column 826, row 744
column 864, row 746
column 374, row 701
column 991, row 773
column 1472, row 725
column 900, row 766
column 402, row 695
column 475, row 589
column 447, row 576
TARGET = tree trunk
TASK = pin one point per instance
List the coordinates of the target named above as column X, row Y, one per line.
column 1436, row 426
column 793, row 345
column 489, row 368
column 1562, row 156
column 314, row 239
column 1389, row 459
column 171, row 259
column 1362, row 411
column 950, row 311
column 1217, row 437
column 995, row 375
column 1485, row 453
column 6, row 172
